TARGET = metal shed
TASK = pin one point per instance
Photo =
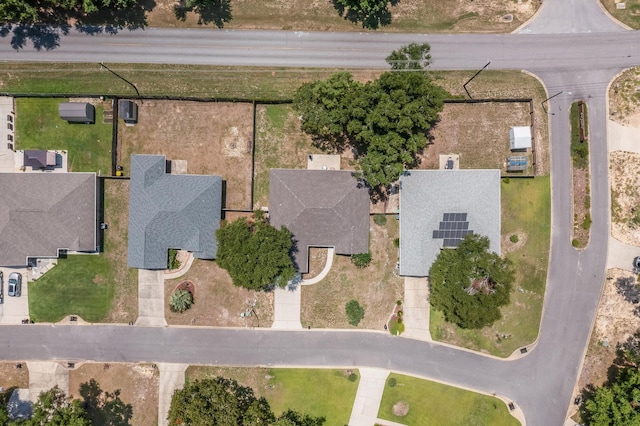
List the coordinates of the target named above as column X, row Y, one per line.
column 77, row 112
column 520, row 137
column 128, row 111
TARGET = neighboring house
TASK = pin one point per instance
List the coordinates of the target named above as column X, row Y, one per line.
column 39, row 159
column 438, row 208
column 321, row 208
column 42, row 213
column 170, row 211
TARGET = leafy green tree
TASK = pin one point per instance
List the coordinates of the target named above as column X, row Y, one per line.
column 372, row 13
column 56, row 11
column 54, row 408
column 256, row 255
column 217, row 12
column 221, row 401
column 104, row 408
column 355, row 312
column 325, row 107
column 413, row 56
column 181, row 300
column 615, row 404
column 471, row 283
column 386, row 122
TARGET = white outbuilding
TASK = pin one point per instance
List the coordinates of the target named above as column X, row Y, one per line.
column 520, row 137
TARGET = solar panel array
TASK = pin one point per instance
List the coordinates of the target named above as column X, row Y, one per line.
column 453, row 228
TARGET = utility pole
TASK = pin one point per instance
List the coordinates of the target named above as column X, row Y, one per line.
column 102, row 65
column 474, row 76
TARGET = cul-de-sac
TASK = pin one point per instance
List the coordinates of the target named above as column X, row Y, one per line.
column 307, row 213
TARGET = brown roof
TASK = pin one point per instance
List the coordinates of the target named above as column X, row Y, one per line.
column 321, row 208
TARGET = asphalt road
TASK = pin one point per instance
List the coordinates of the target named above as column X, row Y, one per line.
column 578, row 53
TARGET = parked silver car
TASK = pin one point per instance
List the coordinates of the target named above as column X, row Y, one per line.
column 15, row 284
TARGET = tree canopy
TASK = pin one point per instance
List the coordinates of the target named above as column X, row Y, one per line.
column 386, row 122
column 224, row 402
column 413, row 56
column 616, row 403
column 256, row 255
column 470, row 284
column 371, row 13
column 217, row 12
column 54, row 408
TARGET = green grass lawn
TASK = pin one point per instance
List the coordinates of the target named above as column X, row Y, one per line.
column 327, row 393
column 317, row 392
column 38, row 126
column 79, row 285
column 526, row 210
column 435, row 404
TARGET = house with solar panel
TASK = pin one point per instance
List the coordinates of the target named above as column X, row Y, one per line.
column 438, row 208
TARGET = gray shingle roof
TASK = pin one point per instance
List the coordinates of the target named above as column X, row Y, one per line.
column 321, row 208
column 425, row 195
column 170, row 211
column 43, row 212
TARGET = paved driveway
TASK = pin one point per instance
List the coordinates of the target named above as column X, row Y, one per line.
column 151, row 298
column 14, row 309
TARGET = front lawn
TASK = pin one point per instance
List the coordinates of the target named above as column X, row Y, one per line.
column 431, row 403
column 79, row 285
column 38, row 126
column 317, row 392
column 526, row 213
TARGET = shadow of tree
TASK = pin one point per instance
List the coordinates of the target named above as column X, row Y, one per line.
column 371, row 17
column 47, row 36
column 217, row 12
column 104, row 408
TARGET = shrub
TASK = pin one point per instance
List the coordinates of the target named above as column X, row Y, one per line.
column 396, row 242
column 173, row 261
column 575, row 242
column 380, row 219
column 392, row 382
column 396, row 327
column 353, row 377
column 355, row 312
column 514, row 238
column 181, row 300
column 586, row 224
column 399, row 302
column 505, row 180
column 361, row 260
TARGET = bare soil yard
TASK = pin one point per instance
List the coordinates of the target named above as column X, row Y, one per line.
column 624, row 96
column 625, row 198
column 615, row 322
column 214, row 138
column 320, row 15
column 376, row 287
column 581, row 207
column 217, row 301
column 479, row 133
column 124, row 307
column 10, row 376
column 138, row 384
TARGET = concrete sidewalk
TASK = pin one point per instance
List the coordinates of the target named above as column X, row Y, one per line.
column 416, row 308
column 367, row 402
column 286, row 307
column 622, row 138
column 171, row 378
column 151, row 298
column 620, row 255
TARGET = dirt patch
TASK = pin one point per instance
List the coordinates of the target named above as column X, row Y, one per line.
column 218, row 302
column 138, row 384
column 508, row 246
column 615, row 322
column 124, row 307
column 479, row 133
column 187, row 285
column 214, row 138
column 11, row 376
column 581, row 207
column 376, row 287
column 401, row 408
column 624, row 98
column 625, row 197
